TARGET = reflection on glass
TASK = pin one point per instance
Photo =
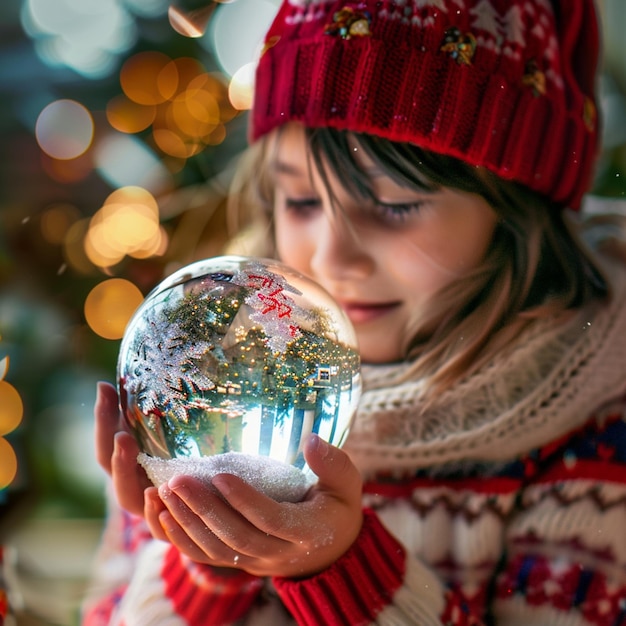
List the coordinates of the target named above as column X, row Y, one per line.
column 237, row 354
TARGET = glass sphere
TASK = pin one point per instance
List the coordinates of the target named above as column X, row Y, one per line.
column 238, row 354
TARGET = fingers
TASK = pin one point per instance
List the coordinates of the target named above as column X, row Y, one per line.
column 179, row 537
column 336, row 473
column 107, row 423
column 164, row 526
column 217, row 526
column 153, row 507
column 117, row 450
column 129, row 479
column 257, row 509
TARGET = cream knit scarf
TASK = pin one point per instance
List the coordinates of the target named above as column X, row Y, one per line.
column 547, row 384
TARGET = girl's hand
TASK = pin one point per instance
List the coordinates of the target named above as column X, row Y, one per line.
column 230, row 524
column 117, row 450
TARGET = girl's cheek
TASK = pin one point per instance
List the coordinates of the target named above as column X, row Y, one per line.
column 291, row 249
column 293, row 245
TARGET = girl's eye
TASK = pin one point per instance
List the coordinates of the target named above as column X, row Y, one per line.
column 400, row 211
column 303, row 207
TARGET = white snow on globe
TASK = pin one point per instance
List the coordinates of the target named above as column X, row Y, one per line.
column 229, row 364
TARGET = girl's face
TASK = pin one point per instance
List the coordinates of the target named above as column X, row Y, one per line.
column 382, row 260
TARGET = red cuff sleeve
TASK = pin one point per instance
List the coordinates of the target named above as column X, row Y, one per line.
column 202, row 596
column 356, row 587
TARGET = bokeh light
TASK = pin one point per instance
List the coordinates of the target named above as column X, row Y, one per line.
column 129, row 117
column 68, row 171
column 147, row 8
column 190, row 23
column 173, row 144
column 64, row 129
column 11, row 413
column 4, row 367
column 241, row 87
column 8, row 463
column 149, row 78
column 74, row 248
column 194, row 113
column 123, row 160
column 11, row 408
column 215, row 85
column 56, row 221
column 186, row 106
column 232, row 23
column 110, row 305
column 217, row 136
column 85, row 35
column 154, row 246
column 127, row 224
column 185, row 68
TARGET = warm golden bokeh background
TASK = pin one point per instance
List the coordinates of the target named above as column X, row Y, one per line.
column 121, row 122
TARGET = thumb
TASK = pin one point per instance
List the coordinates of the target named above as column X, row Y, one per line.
column 333, row 467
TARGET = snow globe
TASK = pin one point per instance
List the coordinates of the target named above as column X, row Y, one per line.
column 229, row 364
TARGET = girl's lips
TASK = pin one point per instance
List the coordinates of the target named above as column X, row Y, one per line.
column 361, row 312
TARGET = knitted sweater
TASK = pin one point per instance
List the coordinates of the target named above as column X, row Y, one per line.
column 501, row 502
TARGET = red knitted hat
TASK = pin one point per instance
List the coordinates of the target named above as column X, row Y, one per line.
column 504, row 84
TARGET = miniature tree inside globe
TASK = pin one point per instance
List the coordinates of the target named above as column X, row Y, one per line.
column 237, row 359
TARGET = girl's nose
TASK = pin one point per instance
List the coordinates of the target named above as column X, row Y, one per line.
column 340, row 252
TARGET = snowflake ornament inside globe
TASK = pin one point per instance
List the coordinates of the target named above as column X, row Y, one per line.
column 238, row 356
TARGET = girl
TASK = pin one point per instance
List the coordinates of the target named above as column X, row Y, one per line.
column 423, row 161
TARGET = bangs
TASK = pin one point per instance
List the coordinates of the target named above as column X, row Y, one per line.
column 409, row 166
column 337, row 151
